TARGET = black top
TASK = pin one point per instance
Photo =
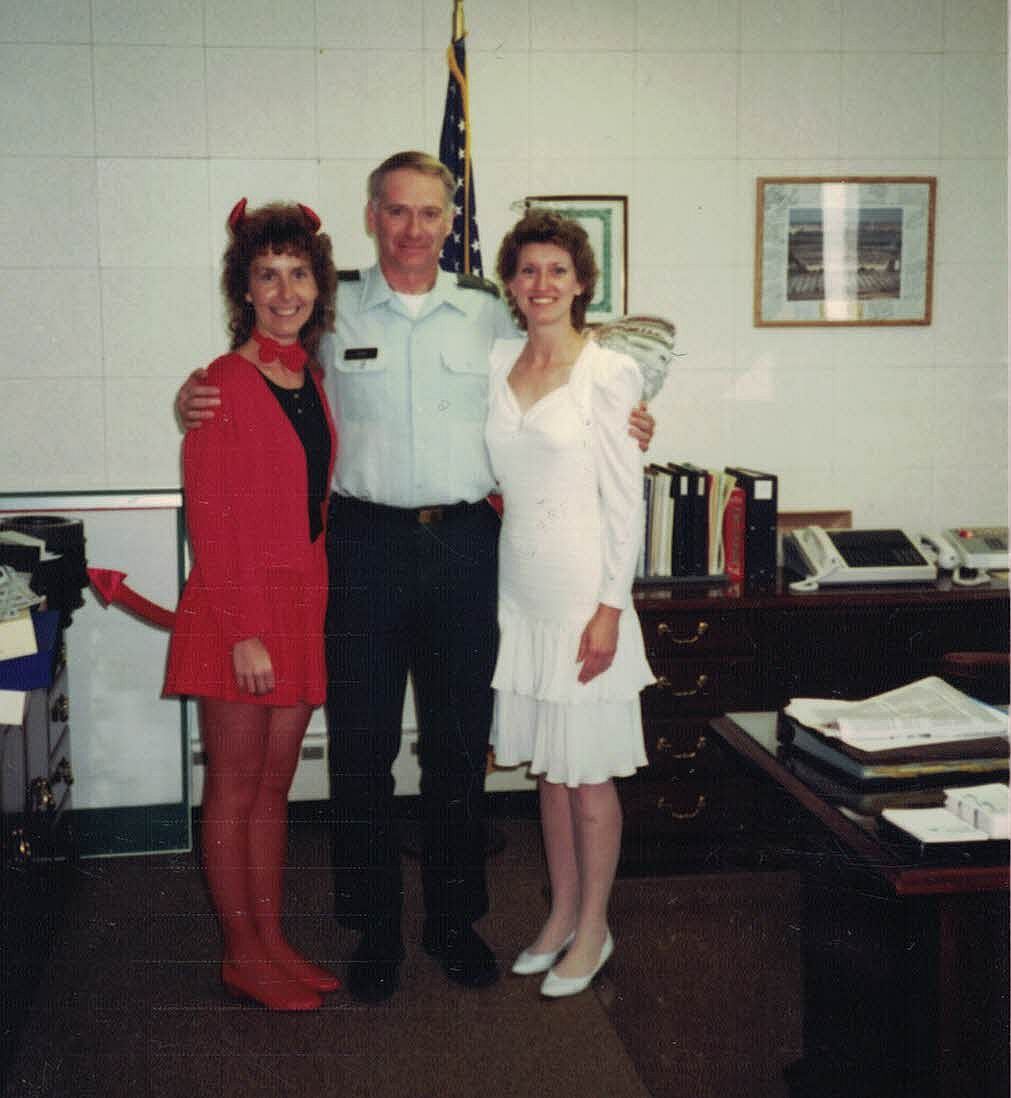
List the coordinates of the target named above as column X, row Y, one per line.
column 304, row 409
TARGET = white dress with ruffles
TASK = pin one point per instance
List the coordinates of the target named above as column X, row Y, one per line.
column 571, row 480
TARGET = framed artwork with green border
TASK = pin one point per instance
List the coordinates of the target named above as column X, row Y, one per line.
column 605, row 219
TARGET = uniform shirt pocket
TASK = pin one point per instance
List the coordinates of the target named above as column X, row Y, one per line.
column 465, row 384
column 362, row 384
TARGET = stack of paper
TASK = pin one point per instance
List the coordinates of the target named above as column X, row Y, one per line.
column 927, row 728
column 929, row 711
column 934, row 825
column 985, row 807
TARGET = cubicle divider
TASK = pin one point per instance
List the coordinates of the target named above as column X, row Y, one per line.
column 129, row 745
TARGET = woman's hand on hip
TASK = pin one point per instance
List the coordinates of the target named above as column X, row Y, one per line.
column 598, row 643
column 253, row 670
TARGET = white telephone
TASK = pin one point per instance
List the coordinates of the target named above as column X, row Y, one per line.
column 855, row 556
column 969, row 551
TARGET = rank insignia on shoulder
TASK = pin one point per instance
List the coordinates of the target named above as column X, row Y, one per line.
column 349, row 274
column 354, row 354
column 476, row 282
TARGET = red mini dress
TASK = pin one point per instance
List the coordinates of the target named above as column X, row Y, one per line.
column 255, row 571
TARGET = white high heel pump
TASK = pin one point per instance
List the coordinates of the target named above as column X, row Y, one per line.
column 529, row 964
column 558, row 987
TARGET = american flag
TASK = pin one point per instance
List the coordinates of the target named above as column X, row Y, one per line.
column 462, row 251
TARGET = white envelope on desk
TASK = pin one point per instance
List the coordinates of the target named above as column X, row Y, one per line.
column 17, row 637
column 12, row 706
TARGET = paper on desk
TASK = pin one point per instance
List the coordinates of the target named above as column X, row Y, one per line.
column 926, row 711
column 12, row 706
column 17, row 637
column 15, row 593
column 17, row 537
column 934, row 825
column 983, row 806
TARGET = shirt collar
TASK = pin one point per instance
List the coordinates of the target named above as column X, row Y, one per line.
column 377, row 292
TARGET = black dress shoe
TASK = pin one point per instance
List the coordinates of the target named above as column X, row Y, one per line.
column 464, row 955
column 373, row 973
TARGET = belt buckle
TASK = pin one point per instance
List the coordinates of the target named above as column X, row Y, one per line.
column 428, row 515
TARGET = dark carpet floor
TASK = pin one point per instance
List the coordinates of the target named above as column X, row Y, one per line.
column 702, row 997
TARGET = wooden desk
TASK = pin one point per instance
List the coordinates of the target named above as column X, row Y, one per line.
column 722, row 648
column 906, row 968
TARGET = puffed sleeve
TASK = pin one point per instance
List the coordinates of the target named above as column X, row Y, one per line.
column 617, row 387
column 221, row 512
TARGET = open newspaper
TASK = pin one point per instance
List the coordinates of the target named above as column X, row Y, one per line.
column 926, row 711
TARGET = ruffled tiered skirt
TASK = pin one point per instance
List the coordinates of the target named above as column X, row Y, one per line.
column 569, row 732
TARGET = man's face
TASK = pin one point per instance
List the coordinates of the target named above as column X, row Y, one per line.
column 410, row 221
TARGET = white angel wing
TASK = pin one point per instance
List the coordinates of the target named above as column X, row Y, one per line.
column 647, row 339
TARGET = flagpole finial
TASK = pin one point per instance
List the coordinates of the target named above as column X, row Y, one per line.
column 459, row 30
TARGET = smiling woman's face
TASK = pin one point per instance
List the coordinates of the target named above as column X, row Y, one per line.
column 545, row 284
column 282, row 291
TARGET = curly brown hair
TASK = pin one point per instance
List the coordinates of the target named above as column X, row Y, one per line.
column 284, row 229
column 541, row 225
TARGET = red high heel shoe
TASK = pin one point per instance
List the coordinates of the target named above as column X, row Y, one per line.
column 312, row 976
column 268, row 984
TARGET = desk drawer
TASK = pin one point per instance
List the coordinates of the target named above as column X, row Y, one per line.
column 717, row 806
column 692, row 686
column 697, row 634
column 682, row 748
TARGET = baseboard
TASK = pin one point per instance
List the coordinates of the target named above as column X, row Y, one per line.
column 142, row 829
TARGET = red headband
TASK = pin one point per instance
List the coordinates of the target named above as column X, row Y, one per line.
column 238, row 213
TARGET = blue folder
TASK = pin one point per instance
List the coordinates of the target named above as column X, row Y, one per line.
column 28, row 672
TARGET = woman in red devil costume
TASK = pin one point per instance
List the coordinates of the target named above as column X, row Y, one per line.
column 248, row 635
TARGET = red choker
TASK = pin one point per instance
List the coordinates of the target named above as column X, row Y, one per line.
column 292, row 356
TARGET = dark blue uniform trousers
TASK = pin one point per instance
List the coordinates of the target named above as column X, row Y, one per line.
column 420, row 597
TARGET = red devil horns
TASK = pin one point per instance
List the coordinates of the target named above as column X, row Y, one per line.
column 235, row 218
column 237, row 214
column 311, row 216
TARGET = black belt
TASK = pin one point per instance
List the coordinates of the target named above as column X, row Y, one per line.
column 423, row 516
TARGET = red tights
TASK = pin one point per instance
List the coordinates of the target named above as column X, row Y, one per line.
column 252, row 752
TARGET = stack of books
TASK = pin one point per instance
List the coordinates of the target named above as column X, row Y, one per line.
column 708, row 523
column 925, row 730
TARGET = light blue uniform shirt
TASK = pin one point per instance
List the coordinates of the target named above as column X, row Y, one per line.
column 410, row 395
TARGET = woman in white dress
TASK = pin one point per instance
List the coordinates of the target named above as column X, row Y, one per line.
column 571, row 659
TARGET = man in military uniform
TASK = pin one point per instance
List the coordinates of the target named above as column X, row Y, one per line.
column 412, row 543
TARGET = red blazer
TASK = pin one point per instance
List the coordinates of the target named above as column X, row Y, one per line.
column 246, row 487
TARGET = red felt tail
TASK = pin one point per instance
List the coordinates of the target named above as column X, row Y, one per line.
column 110, row 586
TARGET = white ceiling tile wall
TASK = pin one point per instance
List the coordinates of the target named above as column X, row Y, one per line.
column 893, row 25
column 150, row 101
column 51, row 84
column 149, row 22
column 128, row 130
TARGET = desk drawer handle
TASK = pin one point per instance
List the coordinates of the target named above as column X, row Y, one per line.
column 20, row 848
column 665, row 630
column 700, row 803
column 664, row 683
column 40, row 795
column 665, row 747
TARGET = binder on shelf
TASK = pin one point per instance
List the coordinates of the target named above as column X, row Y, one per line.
column 647, row 492
column 659, row 558
column 760, row 512
column 733, row 536
column 698, row 519
column 681, row 533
